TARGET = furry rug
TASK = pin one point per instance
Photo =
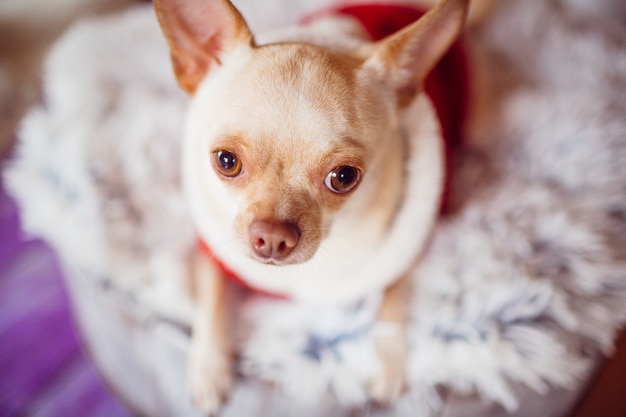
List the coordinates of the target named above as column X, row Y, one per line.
column 521, row 286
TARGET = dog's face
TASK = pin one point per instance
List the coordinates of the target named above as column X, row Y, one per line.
column 293, row 153
column 290, row 135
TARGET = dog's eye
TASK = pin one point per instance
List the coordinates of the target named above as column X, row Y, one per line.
column 227, row 163
column 342, row 179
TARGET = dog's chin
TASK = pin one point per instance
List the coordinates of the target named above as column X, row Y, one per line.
column 275, row 262
column 293, row 259
column 272, row 262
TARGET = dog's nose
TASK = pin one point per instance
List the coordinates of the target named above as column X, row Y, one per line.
column 273, row 240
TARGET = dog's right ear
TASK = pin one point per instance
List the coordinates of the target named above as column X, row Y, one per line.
column 200, row 34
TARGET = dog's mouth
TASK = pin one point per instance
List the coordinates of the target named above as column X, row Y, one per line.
column 272, row 262
column 290, row 260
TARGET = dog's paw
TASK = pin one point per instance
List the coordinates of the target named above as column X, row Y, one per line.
column 390, row 381
column 210, row 378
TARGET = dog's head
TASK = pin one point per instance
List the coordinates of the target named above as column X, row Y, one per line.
column 294, row 153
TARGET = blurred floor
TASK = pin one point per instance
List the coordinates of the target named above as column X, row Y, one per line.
column 607, row 394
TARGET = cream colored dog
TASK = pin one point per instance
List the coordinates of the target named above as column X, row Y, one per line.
column 312, row 169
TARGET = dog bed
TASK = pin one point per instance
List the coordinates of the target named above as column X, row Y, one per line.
column 520, row 292
column 54, row 378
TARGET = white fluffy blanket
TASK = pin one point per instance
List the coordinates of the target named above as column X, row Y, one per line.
column 522, row 286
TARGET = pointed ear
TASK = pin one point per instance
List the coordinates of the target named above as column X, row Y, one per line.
column 200, row 34
column 409, row 55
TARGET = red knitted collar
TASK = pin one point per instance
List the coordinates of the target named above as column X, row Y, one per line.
column 228, row 273
column 447, row 87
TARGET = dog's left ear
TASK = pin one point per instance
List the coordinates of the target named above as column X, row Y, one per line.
column 409, row 55
column 200, row 34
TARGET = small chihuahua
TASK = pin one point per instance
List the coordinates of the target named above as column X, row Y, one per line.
column 313, row 169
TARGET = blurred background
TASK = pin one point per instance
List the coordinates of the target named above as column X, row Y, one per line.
column 58, row 379
column 27, row 29
column 43, row 369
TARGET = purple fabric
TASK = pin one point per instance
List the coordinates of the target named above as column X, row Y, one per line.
column 43, row 371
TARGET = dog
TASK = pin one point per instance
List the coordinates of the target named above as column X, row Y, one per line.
column 308, row 170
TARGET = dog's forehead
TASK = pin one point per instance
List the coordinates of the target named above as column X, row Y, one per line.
column 293, row 101
column 305, row 68
column 298, row 88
